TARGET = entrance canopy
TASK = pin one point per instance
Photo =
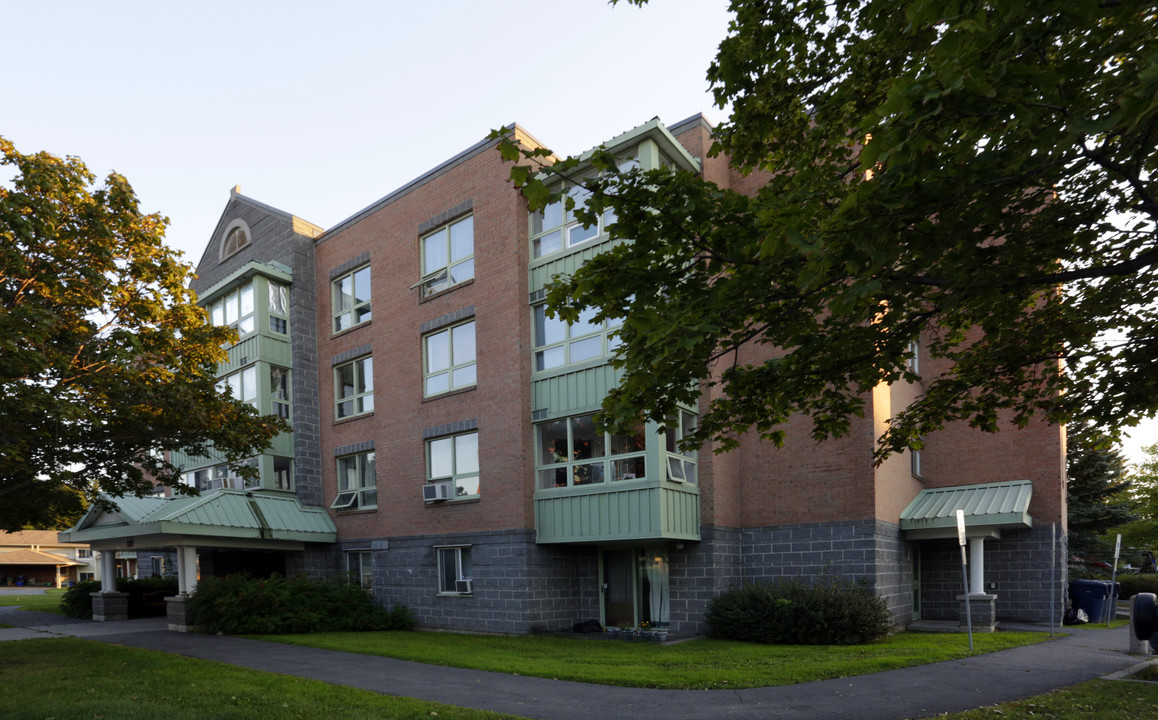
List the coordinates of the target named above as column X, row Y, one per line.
column 989, row 509
column 222, row 518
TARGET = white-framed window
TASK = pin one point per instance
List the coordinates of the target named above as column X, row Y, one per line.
column 357, row 483
column 221, row 477
column 278, row 308
column 360, row 566
column 84, row 553
column 448, row 256
column 351, row 298
column 449, row 359
column 454, row 459
column 915, row 357
column 242, row 385
column 85, row 576
column 354, row 388
column 455, row 572
column 555, row 228
column 235, row 239
column 573, row 452
column 559, row 343
column 279, row 391
column 681, row 466
column 283, row 477
column 235, row 310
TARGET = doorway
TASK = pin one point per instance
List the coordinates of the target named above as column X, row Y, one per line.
column 916, row 582
column 636, row 586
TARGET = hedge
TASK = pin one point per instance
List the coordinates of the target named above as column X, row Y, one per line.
column 827, row 612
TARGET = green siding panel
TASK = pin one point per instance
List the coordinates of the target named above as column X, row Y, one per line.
column 573, row 392
column 608, row 514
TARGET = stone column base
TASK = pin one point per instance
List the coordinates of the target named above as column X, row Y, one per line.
column 107, row 606
column 179, row 615
column 984, row 609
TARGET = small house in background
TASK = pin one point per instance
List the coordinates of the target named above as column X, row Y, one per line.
column 37, row 558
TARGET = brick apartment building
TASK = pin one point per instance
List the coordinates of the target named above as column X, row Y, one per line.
column 443, row 451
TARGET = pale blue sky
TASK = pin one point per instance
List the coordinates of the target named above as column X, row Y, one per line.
column 321, row 109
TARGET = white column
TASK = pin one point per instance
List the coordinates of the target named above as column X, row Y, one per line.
column 976, row 566
column 187, row 570
column 108, row 571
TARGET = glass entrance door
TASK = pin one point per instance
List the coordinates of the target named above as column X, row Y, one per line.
column 618, row 588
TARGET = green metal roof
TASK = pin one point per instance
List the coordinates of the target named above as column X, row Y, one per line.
column 1003, row 505
column 236, row 514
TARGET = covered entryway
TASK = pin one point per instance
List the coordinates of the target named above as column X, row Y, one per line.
column 219, row 524
column 989, row 510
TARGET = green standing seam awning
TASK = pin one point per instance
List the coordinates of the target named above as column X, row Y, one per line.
column 238, row 515
column 989, row 508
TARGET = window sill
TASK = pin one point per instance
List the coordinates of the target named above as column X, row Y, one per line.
column 472, row 500
column 442, row 292
column 455, row 595
column 350, row 329
column 450, row 393
column 343, row 421
column 359, row 511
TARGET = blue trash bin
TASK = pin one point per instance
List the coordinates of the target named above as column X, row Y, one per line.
column 1090, row 595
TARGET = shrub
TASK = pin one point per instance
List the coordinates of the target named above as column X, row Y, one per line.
column 790, row 612
column 1134, row 584
column 77, row 601
column 144, row 595
column 239, row 604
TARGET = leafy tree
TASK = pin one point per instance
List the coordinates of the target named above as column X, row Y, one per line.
column 105, row 359
column 979, row 176
column 1095, row 490
column 1142, row 533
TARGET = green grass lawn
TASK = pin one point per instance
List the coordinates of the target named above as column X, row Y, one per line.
column 48, row 601
column 70, row 679
column 696, row 664
column 1093, row 700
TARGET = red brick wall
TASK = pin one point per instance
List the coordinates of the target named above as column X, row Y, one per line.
column 501, row 400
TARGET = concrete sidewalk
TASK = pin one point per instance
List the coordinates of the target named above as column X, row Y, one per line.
column 916, row 692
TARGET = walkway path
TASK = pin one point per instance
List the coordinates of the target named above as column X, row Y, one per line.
column 915, row 692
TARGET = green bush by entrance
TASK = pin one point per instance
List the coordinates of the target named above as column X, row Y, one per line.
column 146, row 596
column 239, row 604
column 790, row 612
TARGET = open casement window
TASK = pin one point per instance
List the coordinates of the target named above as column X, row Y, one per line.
column 449, row 359
column 454, row 459
column 354, row 388
column 278, row 308
column 357, row 483
column 235, row 310
column 572, row 452
column 455, row 572
column 681, row 466
column 558, row 343
column 448, row 256
column 351, row 299
column 556, row 228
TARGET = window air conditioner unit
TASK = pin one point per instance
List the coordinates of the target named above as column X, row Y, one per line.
column 437, row 491
column 463, row 586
